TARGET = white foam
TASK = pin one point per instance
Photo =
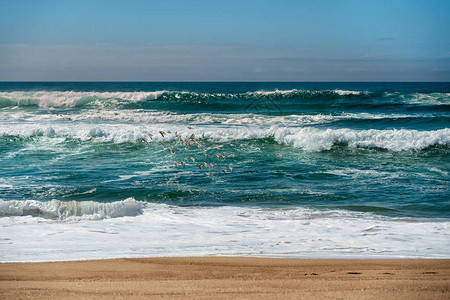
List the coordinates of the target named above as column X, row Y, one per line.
column 163, row 230
column 312, row 139
column 284, row 92
column 71, row 98
column 371, row 175
column 71, row 210
column 151, row 117
column 420, row 98
column 345, row 92
column 276, row 91
column 307, row 138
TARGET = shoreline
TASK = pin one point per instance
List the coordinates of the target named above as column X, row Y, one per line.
column 228, row 277
column 207, row 256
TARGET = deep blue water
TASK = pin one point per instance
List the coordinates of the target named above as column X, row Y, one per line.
column 370, row 147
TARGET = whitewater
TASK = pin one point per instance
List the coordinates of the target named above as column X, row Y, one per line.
column 337, row 170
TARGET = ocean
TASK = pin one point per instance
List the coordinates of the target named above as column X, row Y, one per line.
column 92, row 170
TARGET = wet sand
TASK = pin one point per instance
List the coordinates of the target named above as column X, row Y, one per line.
column 228, row 278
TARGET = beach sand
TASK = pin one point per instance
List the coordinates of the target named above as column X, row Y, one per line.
column 228, row 278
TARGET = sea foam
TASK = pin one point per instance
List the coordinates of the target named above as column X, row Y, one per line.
column 165, row 230
column 47, row 99
column 140, row 116
column 70, row 210
column 306, row 138
column 312, row 139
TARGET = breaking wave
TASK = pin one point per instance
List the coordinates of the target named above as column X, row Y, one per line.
column 67, row 99
column 312, row 139
column 46, row 99
column 61, row 210
column 306, row 138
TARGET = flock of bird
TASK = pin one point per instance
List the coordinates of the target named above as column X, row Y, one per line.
column 191, row 140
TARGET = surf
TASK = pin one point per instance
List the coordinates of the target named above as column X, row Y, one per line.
column 72, row 99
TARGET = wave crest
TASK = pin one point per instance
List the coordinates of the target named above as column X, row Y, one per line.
column 307, row 138
column 312, row 139
column 61, row 210
column 46, row 99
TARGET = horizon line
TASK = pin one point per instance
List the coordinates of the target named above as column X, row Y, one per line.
column 200, row 81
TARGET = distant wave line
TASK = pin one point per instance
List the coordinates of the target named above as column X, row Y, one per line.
column 46, row 99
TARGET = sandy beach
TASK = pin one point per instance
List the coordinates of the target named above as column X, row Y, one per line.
column 228, row 277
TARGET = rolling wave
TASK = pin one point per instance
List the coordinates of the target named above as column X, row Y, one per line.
column 306, row 138
column 46, row 99
column 70, row 99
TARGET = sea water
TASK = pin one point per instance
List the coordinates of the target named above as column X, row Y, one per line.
column 338, row 170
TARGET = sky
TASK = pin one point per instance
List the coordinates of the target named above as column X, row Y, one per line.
column 209, row 40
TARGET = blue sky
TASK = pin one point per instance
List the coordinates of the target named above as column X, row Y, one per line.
column 225, row 40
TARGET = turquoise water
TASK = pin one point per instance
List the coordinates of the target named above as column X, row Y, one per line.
column 368, row 147
column 340, row 170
